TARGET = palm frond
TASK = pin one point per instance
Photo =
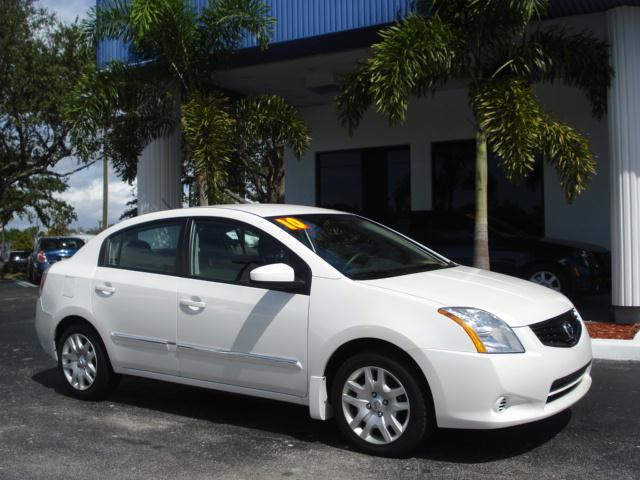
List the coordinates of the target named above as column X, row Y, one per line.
column 580, row 60
column 270, row 119
column 414, row 56
column 208, row 128
column 518, row 130
column 509, row 114
column 568, row 151
column 226, row 23
column 110, row 21
column 355, row 97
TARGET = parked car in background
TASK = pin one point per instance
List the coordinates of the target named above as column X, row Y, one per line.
column 573, row 268
column 49, row 250
column 318, row 308
column 16, row 261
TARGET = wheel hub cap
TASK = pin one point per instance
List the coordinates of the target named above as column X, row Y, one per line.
column 375, row 405
column 547, row 279
column 79, row 362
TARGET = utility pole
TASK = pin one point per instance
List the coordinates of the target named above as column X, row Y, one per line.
column 105, row 192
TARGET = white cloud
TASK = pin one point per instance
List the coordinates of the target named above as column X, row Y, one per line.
column 68, row 10
column 85, row 195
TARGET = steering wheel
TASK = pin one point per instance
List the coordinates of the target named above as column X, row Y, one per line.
column 356, row 257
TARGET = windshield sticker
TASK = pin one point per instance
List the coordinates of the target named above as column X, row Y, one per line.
column 292, row 223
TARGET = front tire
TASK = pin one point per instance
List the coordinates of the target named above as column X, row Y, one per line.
column 380, row 406
column 83, row 364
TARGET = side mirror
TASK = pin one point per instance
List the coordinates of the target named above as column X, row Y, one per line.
column 278, row 276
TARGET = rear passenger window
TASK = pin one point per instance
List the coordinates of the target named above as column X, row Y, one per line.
column 151, row 248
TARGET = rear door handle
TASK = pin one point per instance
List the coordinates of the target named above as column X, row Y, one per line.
column 193, row 305
column 106, row 290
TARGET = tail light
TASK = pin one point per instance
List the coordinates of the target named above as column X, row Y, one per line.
column 42, row 257
column 43, row 278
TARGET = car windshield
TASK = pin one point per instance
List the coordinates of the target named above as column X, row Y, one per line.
column 358, row 248
column 60, row 244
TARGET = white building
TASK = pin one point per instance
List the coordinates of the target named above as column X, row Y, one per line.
column 316, row 41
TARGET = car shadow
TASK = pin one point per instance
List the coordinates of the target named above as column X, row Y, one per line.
column 446, row 445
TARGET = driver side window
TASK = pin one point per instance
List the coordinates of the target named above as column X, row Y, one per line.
column 227, row 251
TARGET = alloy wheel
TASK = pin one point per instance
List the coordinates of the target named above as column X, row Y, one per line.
column 375, row 405
column 547, row 279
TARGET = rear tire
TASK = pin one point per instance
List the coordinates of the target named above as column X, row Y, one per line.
column 83, row 364
column 381, row 406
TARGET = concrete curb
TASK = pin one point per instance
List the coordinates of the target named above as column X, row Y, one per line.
column 616, row 349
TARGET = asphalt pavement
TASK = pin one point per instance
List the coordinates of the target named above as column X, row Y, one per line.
column 156, row 430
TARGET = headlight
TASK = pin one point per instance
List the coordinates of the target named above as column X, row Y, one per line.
column 488, row 333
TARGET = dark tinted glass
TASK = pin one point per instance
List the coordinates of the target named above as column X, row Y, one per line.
column 519, row 205
column 374, row 182
column 148, row 248
column 60, row 244
column 227, row 251
column 358, row 248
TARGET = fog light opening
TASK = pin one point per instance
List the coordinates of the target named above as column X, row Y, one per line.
column 501, row 404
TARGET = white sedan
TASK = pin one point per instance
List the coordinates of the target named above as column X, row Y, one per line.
column 314, row 307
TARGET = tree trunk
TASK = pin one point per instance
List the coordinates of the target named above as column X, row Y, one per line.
column 481, row 234
column 203, row 197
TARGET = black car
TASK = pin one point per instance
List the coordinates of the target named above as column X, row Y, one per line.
column 573, row 268
column 17, row 261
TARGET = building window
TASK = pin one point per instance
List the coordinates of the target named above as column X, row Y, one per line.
column 374, row 182
column 519, row 205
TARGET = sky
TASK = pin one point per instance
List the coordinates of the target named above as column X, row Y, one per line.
column 85, row 187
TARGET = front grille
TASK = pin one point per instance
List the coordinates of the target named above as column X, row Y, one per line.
column 561, row 331
column 564, row 381
column 556, row 396
column 560, row 383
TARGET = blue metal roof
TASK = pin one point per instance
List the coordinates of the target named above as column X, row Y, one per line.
column 300, row 20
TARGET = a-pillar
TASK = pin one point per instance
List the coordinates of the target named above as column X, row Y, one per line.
column 624, row 139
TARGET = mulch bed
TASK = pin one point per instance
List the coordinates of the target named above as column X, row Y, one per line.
column 612, row 330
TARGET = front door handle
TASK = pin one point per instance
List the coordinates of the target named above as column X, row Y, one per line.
column 106, row 290
column 193, row 305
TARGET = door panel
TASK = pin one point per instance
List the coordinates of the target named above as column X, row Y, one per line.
column 231, row 331
column 243, row 336
column 139, row 311
column 135, row 295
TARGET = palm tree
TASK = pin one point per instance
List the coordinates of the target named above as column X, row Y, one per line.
column 501, row 48
column 177, row 51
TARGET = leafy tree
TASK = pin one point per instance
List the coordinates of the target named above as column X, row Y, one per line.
column 39, row 60
column 178, row 51
column 243, row 143
column 21, row 239
column 266, row 124
column 501, row 49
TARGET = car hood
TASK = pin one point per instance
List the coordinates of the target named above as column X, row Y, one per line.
column 517, row 302
column 589, row 247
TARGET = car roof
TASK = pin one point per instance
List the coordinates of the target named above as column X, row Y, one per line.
column 75, row 237
column 274, row 209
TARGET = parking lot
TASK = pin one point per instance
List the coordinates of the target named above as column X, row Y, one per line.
column 156, row 430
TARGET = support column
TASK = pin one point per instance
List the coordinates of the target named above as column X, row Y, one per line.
column 624, row 139
column 158, row 181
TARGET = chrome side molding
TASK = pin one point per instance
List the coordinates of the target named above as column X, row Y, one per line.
column 259, row 359
column 126, row 340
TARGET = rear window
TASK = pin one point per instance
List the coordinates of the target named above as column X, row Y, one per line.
column 60, row 244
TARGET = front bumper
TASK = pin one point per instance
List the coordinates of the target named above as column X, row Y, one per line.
column 484, row 391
